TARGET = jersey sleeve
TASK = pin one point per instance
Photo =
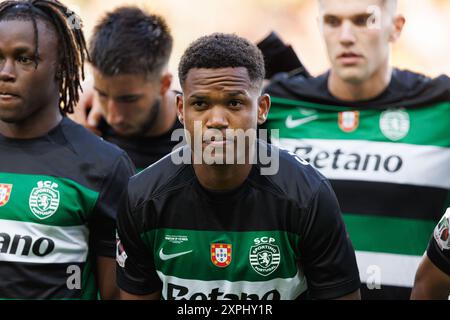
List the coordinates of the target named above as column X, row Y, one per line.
column 103, row 221
column 329, row 260
column 438, row 250
column 136, row 272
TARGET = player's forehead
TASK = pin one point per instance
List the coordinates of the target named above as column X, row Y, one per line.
column 19, row 32
column 122, row 82
column 348, row 8
column 203, row 80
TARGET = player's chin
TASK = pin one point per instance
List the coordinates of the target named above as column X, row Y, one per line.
column 352, row 74
column 10, row 115
column 126, row 131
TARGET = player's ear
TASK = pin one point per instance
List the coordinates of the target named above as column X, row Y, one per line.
column 166, row 82
column 398, row 24
column 180, row 111
column 263, row 108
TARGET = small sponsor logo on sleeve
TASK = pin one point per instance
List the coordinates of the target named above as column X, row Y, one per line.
column 121, row 255
column 441, row 232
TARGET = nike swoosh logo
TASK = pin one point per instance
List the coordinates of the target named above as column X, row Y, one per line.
column 291, row 123
column 166, row 257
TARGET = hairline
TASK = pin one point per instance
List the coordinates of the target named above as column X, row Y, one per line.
column 391, row 5
column 254, row 84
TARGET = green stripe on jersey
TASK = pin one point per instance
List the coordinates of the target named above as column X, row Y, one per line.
column 189, row 254
column 420, row 126
column 89, row 290
column 388, row 235
column 46, row 200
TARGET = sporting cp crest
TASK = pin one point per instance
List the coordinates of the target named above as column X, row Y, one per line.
column 395, row 124
column 221, row 254
column 441, row 232
column 265, row 258
column 5, row 193
column 348, row 120
column 44, row 200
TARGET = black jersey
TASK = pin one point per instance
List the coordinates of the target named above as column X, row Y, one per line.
column 143, row 150
column 439, row 247
column 58, row 202
column 274, row 237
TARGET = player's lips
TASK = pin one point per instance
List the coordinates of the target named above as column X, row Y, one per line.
column 349, row 58
column 8, row 95
column 218, row 142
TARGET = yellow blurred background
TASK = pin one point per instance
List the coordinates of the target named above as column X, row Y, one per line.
column 424, row 46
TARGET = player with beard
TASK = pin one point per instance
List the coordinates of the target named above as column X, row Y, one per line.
column 133, row 106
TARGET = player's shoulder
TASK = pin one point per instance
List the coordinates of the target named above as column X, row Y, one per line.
column 412, row 80
column 294, row 178
column 413, row 89
column 292, row 87
column 165, row 175
column 90, row 148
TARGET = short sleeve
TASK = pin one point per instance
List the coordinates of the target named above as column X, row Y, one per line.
column 438, row 250
column 329, row 260
column 136, row 272
column 103, row 221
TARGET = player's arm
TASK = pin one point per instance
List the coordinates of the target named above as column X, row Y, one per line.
column 106, row 279
column 129, row 296
column 103, row 226
column 136, row 272
column 430, row 283
column 355, row 295
column 433, row 275
column 328, row 256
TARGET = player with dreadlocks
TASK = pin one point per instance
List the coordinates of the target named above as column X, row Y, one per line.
column 59, row 184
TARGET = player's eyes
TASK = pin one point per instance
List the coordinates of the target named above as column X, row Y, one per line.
column 25, row 60
column 361, row 20
column 130, row 99
column 235, row 103
column 332, row 21
column 199, row 104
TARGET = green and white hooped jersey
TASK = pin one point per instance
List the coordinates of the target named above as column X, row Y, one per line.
column 58, row 200
column 275, row 237
column 390, row 169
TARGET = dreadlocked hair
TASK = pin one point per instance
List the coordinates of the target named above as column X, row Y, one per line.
column 72, row 44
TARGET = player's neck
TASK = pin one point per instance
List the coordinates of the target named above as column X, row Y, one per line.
column 166, row 117
column 34, row 126
column 369, row 89
column 222, row 177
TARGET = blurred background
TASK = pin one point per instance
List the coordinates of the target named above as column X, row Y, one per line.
column 424, row 46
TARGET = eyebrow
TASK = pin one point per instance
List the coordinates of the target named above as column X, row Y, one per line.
column 232, row 93
column 23, row 49
column 198, row 97
column 237, row 93
column 356, row 15
column 126, row 96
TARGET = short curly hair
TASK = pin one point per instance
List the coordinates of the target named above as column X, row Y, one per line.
column 220, row 50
